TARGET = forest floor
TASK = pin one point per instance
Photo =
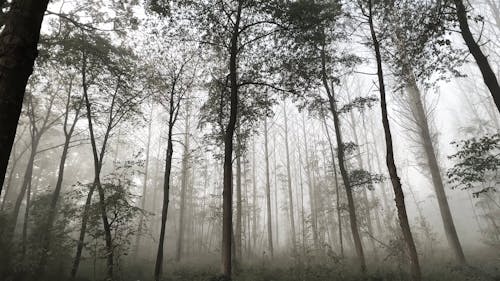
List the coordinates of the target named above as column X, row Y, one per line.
column 487, row 269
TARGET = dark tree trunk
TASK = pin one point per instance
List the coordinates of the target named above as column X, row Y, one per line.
column 343, row 170
column 347, row 185
column 268, row 194
column 396, row 182
column 173, row 114
column 166, row 200
column 98, row 158
column 227, row 193
column 18, row 51
column 489, row 76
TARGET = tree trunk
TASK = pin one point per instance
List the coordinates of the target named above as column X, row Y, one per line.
column 166, row 201
column 98, row 158
column 302, row 214
column 51, row 217
column 347, row 185
column 310, row 183
column 227, row 193
column 18, row 51
column 489, row 76
column 367, row 213
column 396, row 182
column 24, row 186
column 268, row 193
column 138, row 236
column 237, row 237
column 276, row 207
column 184, row 186
column 433, row 166
column 337, row 189
column 343, row 170
column 254, row 197
column 289, row 182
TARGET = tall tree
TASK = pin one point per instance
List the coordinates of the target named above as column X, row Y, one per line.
column 73, row 106
column 413, row 44
column 489, row 76
column 391, row 165
column 18, row 51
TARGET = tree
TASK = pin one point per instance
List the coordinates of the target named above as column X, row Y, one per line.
column 395, row 180
column 412, row 62
column 73, row 106
column 236, row 31
column 113, row 103
column 179, row 78
column 489, row 76
column 18, row 51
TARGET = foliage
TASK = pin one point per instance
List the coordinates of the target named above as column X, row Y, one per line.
column 477, row 163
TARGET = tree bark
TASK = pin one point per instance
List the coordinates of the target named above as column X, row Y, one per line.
column 268, row 194
column 18, row 51
column 289, row 182
column 227, row 193
column 166, row 201
column 396, row 182
column 489, row 76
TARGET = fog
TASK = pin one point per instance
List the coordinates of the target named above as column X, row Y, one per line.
column 250, row 140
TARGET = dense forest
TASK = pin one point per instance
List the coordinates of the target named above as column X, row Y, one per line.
column 273, row 140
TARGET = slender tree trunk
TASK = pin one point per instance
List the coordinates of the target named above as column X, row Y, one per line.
column 276, row 207
column 98, row 158
column 51, row 217
column 227, row 193
column 396, row 182
column 254, row 197
column 370, row 168
column 301, row 182
column 343, row 170
column 337, row 189
column 366, row 202
column 18, row 51
column 347, row 185
column 237, row 238
column 184, row 186
column 489, row 76
column 138, row 236
column 437, row 180
column 310, row 183
column 289, row 182
column 24, row 186
column 173, row 113
column 268, row 193
column 166, row 201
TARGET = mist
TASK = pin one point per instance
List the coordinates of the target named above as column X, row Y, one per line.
column 249, row 140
